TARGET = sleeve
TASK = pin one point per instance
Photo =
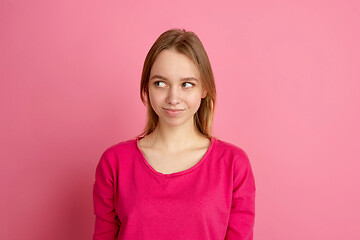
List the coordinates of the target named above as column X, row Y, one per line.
column 242, row 214
column 107, row 223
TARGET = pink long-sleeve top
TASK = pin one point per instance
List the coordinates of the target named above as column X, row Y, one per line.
column 213, row 200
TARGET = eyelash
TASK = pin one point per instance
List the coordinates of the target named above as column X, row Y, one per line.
column 192, row 84
column 189, row 83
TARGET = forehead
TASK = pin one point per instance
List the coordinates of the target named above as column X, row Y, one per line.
column 172, row 64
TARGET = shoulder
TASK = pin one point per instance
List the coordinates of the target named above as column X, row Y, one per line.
column 121, row 147
column 240, row 163
column 230, row 150
column 232, row 155
column 120, row 150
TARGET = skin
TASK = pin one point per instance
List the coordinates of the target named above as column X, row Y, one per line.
column 175, row 144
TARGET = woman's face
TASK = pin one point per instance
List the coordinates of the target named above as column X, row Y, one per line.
column 175, row 89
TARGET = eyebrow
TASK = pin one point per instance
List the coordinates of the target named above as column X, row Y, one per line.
column 164, row 78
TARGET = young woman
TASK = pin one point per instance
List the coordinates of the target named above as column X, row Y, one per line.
column 175, row 180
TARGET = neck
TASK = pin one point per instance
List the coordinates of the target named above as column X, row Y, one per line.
column 175, row 139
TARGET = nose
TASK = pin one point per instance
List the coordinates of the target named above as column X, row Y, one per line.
column 173, row 96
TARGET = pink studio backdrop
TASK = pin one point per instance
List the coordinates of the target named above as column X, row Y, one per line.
column 287, row 76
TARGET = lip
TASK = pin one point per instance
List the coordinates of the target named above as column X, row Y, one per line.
column 173, row 112
column 169, row 109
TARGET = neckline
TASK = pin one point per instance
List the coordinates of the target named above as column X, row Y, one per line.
column 197, row 165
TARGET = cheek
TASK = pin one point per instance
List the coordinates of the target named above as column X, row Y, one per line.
column 155, row 99
column 152, row 101
column 195, row 96
column 195, row 100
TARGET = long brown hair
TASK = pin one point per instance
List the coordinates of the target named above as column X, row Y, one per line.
column 187, row 43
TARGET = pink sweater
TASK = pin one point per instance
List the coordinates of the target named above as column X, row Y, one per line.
column 213, row 200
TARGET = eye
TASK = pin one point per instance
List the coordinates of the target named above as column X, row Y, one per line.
column 159, row 84
column 188, row 84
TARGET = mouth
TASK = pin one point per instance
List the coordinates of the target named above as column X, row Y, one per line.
column 173, row 112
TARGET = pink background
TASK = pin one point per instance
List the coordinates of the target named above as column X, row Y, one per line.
column 288, row 81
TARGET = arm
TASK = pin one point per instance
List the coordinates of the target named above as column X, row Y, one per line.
column 107, row 223
column 242, row 214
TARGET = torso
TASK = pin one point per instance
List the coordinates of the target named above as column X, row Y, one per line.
column 167, row 163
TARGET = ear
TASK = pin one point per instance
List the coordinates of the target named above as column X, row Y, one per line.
column 204, row 93
column 146, row 99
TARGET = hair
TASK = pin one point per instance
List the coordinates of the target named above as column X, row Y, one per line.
column 187, row 43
